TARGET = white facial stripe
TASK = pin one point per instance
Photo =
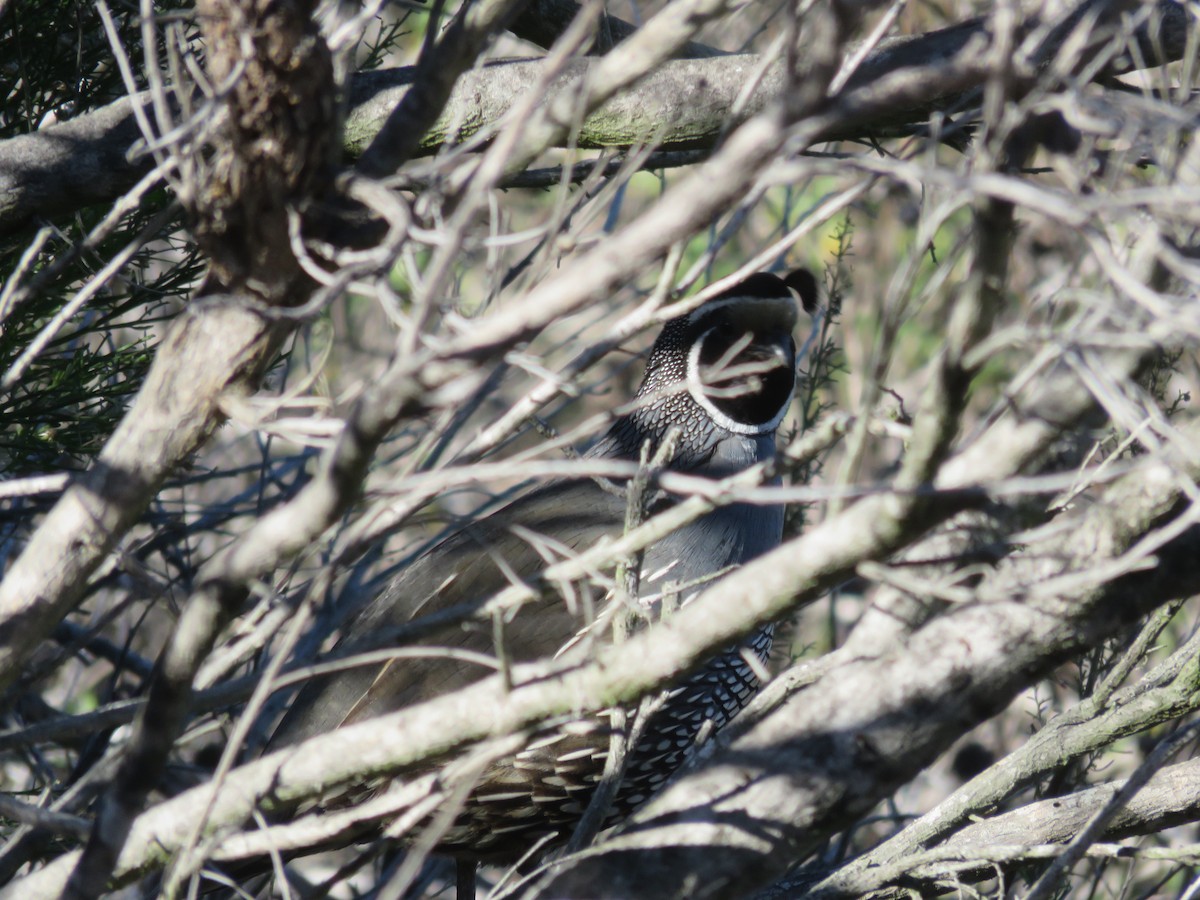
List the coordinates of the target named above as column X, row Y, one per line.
column 696, row 389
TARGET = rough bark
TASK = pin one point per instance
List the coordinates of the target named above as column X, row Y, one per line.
column 1037, row 831
column 52, row 171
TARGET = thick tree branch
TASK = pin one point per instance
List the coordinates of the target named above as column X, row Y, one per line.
column 275, row 155
column 685, row 104
column 1171, row 797
column 85, row 160
column 65, row 167
column 1166, row 693
column 1036, row 831
column 689, row 101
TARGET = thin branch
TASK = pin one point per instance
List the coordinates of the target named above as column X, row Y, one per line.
column 47, row 173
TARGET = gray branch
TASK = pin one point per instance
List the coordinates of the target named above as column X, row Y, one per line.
column 685, row 104
column 71, row 165
column 1166, row 693
column 1170, row 798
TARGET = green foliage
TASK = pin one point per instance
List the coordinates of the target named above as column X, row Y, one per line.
column 822, row 364
column 57, row 61
column 379, row 45
column 65, row 401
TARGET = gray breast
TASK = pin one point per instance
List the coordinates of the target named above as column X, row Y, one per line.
column 728, row 536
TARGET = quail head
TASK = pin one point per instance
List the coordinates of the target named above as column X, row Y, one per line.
column 718, row 382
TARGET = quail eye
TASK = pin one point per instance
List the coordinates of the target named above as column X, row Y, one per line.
column 747, row 377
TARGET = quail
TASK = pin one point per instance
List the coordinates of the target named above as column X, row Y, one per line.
column 717, row 384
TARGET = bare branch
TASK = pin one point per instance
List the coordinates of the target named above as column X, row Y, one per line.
column 85, row 159
column 1034, row 831
column 1011, row 248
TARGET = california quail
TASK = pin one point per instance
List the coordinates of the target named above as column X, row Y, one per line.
column 721, row 378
